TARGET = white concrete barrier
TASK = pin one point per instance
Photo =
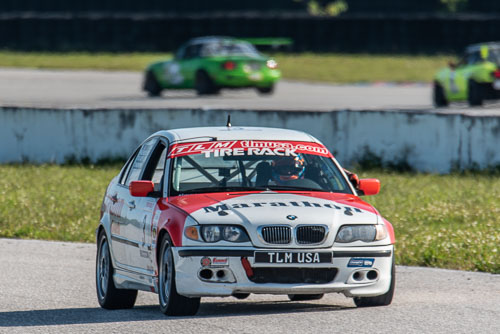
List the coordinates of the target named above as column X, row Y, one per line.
column 426, row 141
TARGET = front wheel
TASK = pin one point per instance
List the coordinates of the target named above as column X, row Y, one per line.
column 474, row 94
column 382, row 300
column 172, row 303
column 108, row 295
column 151, row 84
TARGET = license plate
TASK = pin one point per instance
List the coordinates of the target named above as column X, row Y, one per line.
column 255, row 76
column 496, row 84
column 292, row 257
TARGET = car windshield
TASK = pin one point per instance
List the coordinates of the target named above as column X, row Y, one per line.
column 228, row 48
column 253, row 166
column 494, row 55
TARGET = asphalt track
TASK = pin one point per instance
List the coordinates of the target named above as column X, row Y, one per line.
column 48, row 287
column 98, row 89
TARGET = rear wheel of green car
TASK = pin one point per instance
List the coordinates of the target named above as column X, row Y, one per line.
column 475, row 94
column 204, row 85
column 438, row 96
column 382, row 300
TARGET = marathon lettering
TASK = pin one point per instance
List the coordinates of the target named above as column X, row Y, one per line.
column 347, row 210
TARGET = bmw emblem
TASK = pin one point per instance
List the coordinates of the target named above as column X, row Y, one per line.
column 291, row 217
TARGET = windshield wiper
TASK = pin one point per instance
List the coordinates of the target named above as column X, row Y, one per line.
column 221, row 189
column 280, row 187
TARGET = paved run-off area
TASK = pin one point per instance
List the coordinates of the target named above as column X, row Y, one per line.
column 101, row 89
column 48, row 287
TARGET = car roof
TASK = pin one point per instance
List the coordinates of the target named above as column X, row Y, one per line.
column 211, row 39
column 477, row 47
column 234, row 133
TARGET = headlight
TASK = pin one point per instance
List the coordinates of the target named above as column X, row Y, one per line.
column 211, row 233
column 366, row 233
column 214, row 233
column 272, row 64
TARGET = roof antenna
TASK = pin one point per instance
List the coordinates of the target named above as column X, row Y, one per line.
column 228, row 124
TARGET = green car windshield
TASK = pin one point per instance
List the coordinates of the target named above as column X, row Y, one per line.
column 494, row 55
column 229, row 48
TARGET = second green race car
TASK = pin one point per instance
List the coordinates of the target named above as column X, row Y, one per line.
column 208, row 64
column 474, row 79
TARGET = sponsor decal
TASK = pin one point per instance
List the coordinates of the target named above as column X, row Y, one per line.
column 220, row 261
column 360, row 262
column 347, row 210
column 248, row 147
column 205, row 261
column 214, row 261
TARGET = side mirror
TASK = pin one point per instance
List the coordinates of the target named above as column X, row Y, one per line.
column 141, row 188
column 369, row 186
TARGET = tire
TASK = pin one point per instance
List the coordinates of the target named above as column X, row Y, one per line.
column 474, row 94
column 265, row 90
column 172, row 303
column 241, row 295
column 298, row 298
column 382, row 300
column 204, row 85
column 108, row 295
column 151, row 84
column 438, row 96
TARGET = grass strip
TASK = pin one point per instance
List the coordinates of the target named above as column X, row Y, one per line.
column 333, row 68
column 447, row 221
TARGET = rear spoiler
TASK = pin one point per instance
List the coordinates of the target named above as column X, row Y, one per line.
column 271, row 42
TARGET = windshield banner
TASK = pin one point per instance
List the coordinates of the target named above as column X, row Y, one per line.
column 247, row 147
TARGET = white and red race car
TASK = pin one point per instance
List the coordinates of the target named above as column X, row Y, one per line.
column 230, row 211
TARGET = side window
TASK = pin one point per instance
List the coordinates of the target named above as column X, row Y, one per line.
column 473, row 57
column 192, row 51
column 156, row 165
column 126, row 169
column 140, row 160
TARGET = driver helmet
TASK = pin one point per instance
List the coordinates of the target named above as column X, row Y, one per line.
column 288, row 168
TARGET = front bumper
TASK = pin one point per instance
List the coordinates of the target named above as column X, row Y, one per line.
column 230, row 276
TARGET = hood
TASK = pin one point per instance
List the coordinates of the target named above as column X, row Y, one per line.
column 253, row 210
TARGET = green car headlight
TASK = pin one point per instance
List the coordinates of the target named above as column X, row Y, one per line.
column 214, row 233
column 366, row 233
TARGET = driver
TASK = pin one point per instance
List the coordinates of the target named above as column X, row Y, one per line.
column 288, row 168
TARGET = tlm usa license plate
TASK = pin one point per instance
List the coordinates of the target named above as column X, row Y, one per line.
column 292, row 257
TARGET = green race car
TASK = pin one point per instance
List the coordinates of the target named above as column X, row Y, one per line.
column 208, row 64
column 474, row 79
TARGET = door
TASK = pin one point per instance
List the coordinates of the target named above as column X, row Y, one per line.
column 123, row 239
column 140, row 218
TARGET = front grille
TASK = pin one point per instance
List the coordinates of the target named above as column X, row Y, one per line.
column 293, row 275
column 277, row 235
column 310, row 234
